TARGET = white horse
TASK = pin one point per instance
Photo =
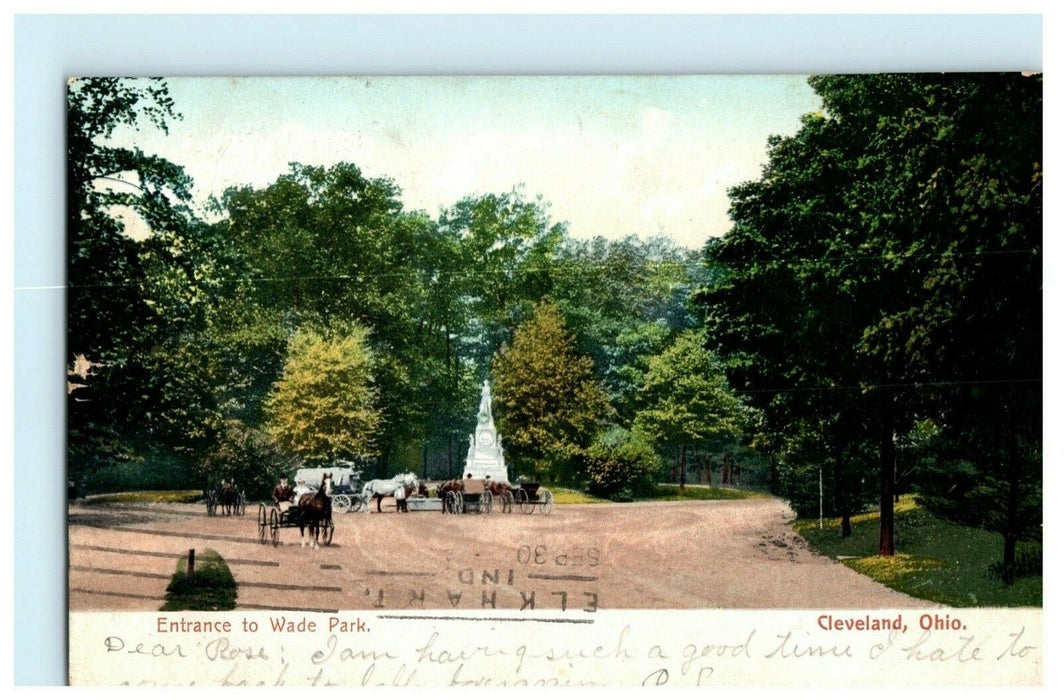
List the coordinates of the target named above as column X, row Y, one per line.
column 379, row 488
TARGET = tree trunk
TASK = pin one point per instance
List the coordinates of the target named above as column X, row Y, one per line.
column 886, row 491
column 842, row 504
column 1012, row 525
column 683, row 466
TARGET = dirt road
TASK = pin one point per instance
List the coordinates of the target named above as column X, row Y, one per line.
column 723, row 554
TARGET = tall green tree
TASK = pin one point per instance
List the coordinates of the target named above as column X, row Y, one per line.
column 791, row 302
column 330, row 246
column 136, row 289
column 686, row 401
column 952, row 176
column 506, row 245
column 324, row 406
column 903, row 225
column 548, row 402
column 624, row 301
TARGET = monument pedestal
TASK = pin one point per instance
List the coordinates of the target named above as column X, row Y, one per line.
column 485, row 457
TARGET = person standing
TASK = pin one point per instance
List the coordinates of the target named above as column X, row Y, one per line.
column 400, row 499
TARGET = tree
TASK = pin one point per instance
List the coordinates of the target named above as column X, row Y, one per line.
column 686, row 401
column 624, row 301
column 132, row 301
column 548, row 402
column 324, row 406
column 329, row 245
column 246, row 456
column 621, row 465
column 506, row 247
column 953, row 182
column 884, row 269
column 790, row 312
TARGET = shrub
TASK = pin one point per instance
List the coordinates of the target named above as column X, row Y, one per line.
column 621, row 466
column 212, row 587
column 154, row 469
column 246, row 455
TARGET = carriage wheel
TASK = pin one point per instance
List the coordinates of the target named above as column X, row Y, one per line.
column 547, row 504
column 262, row 524
column 357, row 502
column 459, row 503
column 342, row 502
column 524, row 503
column 212, row 503
column 507, row 498
column 275, row 526
column 485, row 502
column 327, row 529
column 241, row 504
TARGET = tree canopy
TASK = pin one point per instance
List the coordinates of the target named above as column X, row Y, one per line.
column 879, row 293
column 885, row 269
column 323, row 407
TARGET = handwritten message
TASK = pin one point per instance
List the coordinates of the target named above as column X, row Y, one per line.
column 510, row 648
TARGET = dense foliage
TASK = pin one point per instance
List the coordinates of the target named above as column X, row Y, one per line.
column 621, row 465
column 548, row 400
column 871, row 323
column 324, row 408
column 884, row 271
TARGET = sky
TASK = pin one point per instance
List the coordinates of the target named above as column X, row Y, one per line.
column 612, row 156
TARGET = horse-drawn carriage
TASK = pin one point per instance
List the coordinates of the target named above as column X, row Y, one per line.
column 346, row 487
column 311, row 513
column 481, row 496
column 467, row 496
column 528, row 495
column 227, row 498
column 273, row 520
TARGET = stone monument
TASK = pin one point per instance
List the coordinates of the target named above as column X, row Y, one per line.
column 484, row 459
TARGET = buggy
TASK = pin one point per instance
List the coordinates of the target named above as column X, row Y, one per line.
column 473, row 496
column 529, row 494
column 346, row 489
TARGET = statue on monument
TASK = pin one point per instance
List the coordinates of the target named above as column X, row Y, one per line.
column 485, row 458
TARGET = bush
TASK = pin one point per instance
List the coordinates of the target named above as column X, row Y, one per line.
column 1028, row 562
column 212, row 587
column 152, row 470
column 248, row 456
column 621, row 466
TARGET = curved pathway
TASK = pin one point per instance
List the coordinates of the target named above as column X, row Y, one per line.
column 663, row 555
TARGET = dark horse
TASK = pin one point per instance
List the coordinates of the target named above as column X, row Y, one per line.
column 453, row 485
column 314, row 510
column 229, row 498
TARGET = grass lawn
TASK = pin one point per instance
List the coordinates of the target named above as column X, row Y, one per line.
column 936, row 560
column 663, row 492
column 699, row 492
column 211, row 588
column 188, row 496
column 568, row 497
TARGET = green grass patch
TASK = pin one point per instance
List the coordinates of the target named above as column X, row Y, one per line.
column 571, row 497
column 188, row 496
column 211, row 587
column 698, row 492
column 936, row 560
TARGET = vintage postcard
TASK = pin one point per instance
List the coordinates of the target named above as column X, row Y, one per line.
column 549, row 381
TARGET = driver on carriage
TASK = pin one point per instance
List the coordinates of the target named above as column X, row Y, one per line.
column 283, row 494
